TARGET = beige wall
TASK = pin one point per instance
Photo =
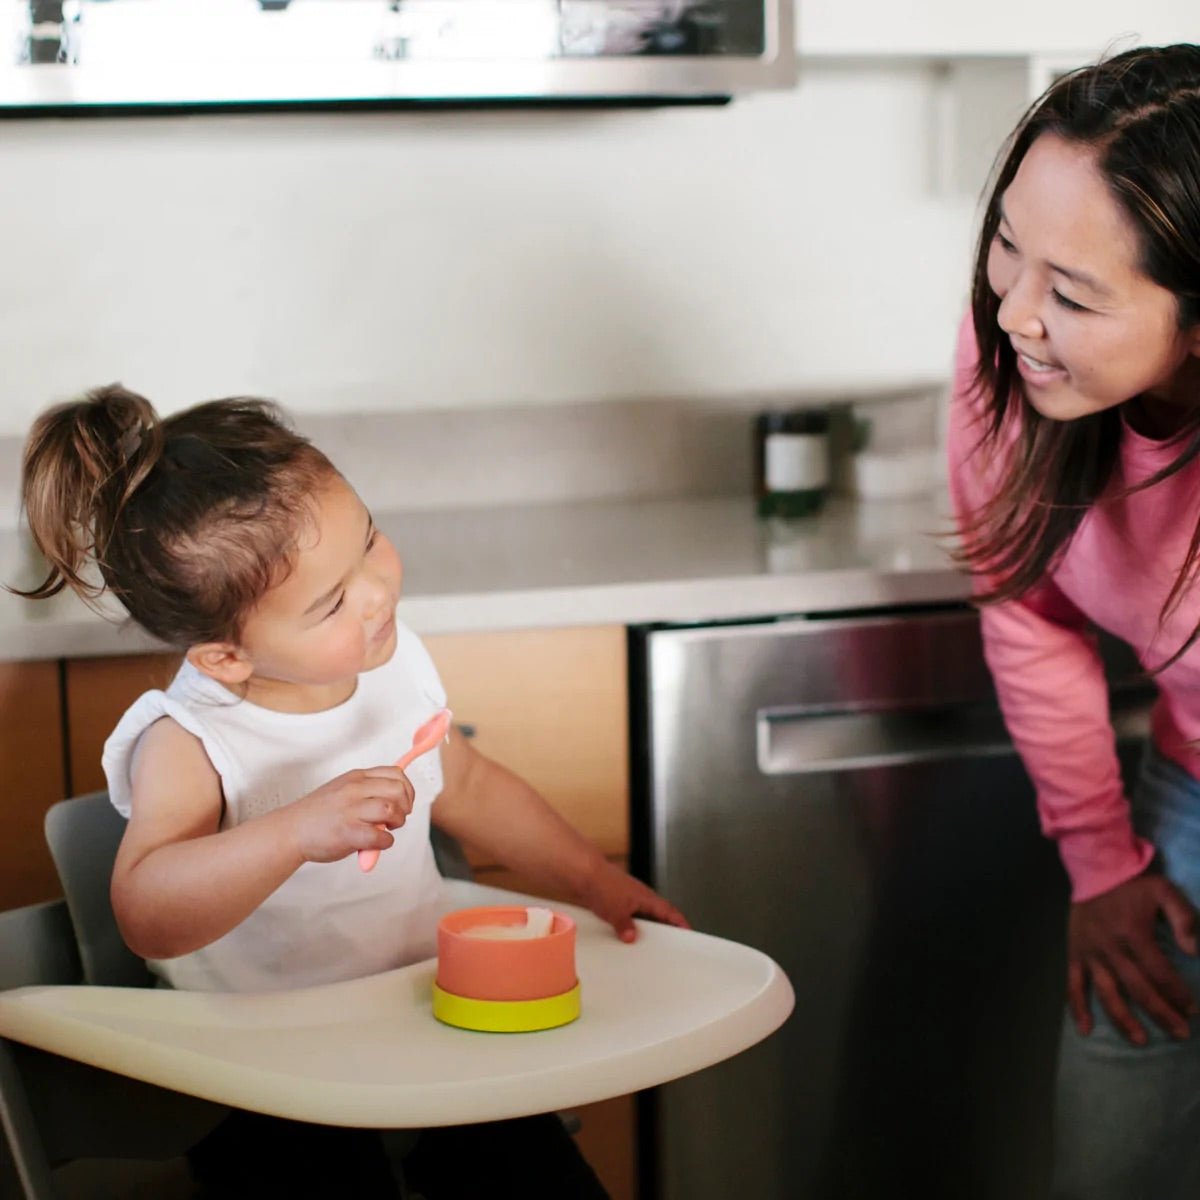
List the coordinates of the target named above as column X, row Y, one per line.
column 401, row 260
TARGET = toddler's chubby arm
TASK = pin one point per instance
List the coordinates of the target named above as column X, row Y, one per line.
column 487, row 806
column 180, row 881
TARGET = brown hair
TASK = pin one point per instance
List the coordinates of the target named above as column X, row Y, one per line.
column 1140, row 112
column 189, row 519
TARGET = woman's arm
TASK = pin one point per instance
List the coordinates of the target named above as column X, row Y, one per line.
column 1049, row 678
column 1052, row 689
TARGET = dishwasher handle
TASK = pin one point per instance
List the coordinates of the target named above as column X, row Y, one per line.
column 798, row 743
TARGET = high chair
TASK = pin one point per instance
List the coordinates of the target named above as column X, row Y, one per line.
column 125, row 1070
column 53, row 1109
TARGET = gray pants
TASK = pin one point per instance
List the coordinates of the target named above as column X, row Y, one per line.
column 1128, row 1117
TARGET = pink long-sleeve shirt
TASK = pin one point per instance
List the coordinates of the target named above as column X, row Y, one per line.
column 1115, row 574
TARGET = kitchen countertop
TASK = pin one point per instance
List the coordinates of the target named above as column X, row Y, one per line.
column 617, row 562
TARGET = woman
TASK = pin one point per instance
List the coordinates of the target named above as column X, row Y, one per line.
column 1074, row 442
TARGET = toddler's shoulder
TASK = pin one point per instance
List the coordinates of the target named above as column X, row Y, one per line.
column 156, row 717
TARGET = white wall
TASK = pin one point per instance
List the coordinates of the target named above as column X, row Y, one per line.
column 350, row 262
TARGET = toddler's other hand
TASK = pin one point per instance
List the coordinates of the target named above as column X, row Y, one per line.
column 349, row 813
column 617, row 898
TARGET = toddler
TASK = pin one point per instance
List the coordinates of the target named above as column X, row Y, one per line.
column 251, row 782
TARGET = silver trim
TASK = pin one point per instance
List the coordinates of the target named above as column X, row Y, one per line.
column 57, row 85
column 815, row 744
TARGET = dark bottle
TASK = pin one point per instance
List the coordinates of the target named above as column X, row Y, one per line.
column 791, row 461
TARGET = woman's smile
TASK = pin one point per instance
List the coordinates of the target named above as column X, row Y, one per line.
column 1038, row 371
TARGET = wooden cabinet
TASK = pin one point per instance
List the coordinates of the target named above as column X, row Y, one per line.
column 98, row 691
column 33, row 776
column 607, row 1136
column 54, row 718
column 551, row 705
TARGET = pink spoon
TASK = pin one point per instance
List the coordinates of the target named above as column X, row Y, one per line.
column 424, row 740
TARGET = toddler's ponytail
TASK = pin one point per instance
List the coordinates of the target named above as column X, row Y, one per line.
column 83, row 460
column 188, row 520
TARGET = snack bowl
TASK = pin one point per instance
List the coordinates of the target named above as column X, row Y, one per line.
column 504, row 983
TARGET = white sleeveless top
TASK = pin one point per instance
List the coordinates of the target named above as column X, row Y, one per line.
column 329, row 921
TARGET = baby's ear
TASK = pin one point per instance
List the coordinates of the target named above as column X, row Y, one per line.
column 221, row 661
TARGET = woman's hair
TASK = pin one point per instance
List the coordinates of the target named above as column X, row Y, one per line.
column 1140, row 113
column 189, row 519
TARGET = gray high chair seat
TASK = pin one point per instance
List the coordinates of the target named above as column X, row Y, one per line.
column 55, row 1110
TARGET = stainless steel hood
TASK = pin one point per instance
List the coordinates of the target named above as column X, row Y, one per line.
column 65, row 54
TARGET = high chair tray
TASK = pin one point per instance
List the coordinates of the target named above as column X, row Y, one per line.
column 369, row 1052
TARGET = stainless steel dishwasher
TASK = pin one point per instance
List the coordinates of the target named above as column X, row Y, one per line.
column 841, row 793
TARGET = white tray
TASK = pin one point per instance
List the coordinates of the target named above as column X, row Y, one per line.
column 368, row 1052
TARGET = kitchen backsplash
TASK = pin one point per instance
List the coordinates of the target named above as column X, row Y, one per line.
column 468, row 458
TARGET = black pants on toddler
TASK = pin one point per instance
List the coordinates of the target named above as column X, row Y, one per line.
column 254, row 1157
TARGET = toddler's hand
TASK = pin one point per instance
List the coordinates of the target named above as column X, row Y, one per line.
column 349, row 813
column 617, row 898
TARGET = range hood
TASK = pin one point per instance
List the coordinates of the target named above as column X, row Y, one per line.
column 180, row 53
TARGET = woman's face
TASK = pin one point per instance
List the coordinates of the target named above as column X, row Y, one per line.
column 1089, row 327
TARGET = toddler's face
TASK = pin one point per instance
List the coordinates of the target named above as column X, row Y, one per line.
column 1090, row 328
column 333, row 617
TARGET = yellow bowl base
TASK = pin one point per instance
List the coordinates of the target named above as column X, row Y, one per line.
column 506, row 1016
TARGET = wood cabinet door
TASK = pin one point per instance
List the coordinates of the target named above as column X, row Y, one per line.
column 551, row 705
column 607, row 1133
column 98, row 691
column 33, row 776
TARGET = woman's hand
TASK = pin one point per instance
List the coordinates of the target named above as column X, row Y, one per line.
column 1111, row 945
column 352, row 812
column 617, row 898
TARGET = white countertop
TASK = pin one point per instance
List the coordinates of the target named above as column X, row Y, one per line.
column 597, row 562
column 369, row 1052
